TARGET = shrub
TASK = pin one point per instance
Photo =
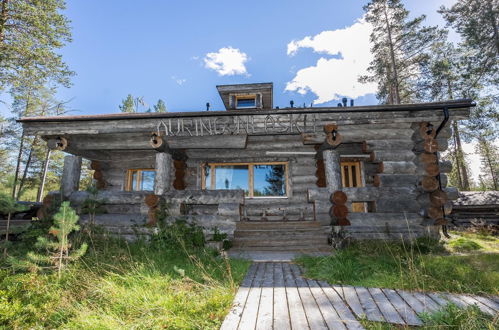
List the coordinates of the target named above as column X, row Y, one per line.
column 179, row 232
column 452, row 317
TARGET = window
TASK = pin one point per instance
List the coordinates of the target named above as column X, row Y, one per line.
column 140, row 179
column 245, row 102
column 256, row 179
column 351, row 177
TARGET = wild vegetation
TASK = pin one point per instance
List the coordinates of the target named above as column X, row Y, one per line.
column 171, row 281
column 467, row 263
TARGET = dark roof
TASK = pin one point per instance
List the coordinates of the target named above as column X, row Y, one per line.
column 468, row 198
column 454, row 104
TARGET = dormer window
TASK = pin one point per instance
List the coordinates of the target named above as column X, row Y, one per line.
column 243, row 102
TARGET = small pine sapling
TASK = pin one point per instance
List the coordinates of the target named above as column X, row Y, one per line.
column 92, row 206
column 59, row 252
column 8, row 206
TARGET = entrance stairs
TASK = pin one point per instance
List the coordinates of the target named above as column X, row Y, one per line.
column 283, row 236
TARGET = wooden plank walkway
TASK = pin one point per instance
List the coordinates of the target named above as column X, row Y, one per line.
column 274, row 295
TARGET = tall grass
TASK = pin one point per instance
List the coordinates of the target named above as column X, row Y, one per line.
column 422, row 265
column 125, row 285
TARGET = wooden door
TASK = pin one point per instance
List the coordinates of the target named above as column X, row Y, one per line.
column 351, row 177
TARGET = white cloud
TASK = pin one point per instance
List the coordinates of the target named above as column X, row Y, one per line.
column 332, row 78
column 227, row 61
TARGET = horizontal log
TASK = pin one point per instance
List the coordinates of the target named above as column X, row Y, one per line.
column 360, row 135
column 308, row 179
column 364, row 194
column 405, row 203
column 381, row 219
column 111, row 197
column 452, row 193
column 392, row 155
column 391, row 144
column 205, row 196
column 395, row 180
column 388, row 167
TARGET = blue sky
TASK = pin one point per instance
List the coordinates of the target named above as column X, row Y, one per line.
column 158, row 49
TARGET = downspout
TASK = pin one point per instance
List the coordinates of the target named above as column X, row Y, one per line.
column 442, row 124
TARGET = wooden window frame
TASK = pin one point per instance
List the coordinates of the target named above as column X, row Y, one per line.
column 250, row 176
column 244, row 96
column 358, row 176
column 129, row 175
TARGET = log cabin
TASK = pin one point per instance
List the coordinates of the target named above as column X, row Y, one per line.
column 271, row 178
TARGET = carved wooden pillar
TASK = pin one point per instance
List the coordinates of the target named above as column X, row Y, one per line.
column 332, row 169
column 162, row 181
column 70, row 181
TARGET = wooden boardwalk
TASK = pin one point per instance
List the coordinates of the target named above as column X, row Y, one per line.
column 274, row 295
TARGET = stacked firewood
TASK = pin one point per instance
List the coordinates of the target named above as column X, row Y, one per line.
column 433, row 200
column 98, row 168
column 339, row 210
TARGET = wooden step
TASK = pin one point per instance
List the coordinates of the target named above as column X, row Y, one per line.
column 297, row 249
column 281, row 241
column 277, row 224
column 279, row 233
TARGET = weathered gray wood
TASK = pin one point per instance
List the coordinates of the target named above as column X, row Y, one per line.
column 389, row 144
column 455, row 300
column 488, row 302
column 438, row 299
column 452, row 193
column 70, row 181
column 363, row 194
column 162, row 180
column 402, row 308
column 205, row 196
column 250, row 312
column 265, row 310
column 386, row 308
column 340, row 306
column 369, row 305
column 407, row 167
column 382, row 219
column 483, row 307
column 232, row 319
column 412, row 301
column 427, row 302
column 296, row 311
column 397, row 180
column 331, row 317
column 407, row 204
column 349, row 294
column 314, row 316
column 392, row 155
column 442, row 145
column 332, row 169
column 281, row 312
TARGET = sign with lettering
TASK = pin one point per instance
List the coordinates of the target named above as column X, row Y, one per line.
column 234, row 125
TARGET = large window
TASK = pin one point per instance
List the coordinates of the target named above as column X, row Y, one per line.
column 243, row 102
column 256, row 179
column 140, row 179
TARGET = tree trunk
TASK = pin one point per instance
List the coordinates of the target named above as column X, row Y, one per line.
column 9, row 216
column 460, row 153
column 26, row 167
column 18, row 167
column 493, row 22
column 396, row 92
column 3, row 19
column 44, row 176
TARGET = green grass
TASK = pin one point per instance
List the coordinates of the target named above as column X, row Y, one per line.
column 422, row 266
column 125, row 286
column 463, row 244
column 448, row 318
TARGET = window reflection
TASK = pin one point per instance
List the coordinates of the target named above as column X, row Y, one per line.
column 231, row 177
column 269, row 180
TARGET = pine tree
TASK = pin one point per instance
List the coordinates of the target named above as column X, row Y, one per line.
column 127, row 105
column 59, row 252
column 489, row 155
column 160, row 106
column 400, row 48
column 31, row 32
column 477, row 22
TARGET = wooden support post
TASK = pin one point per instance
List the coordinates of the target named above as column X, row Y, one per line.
column 70, row 181
column 332, row 169
column 162, row 181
